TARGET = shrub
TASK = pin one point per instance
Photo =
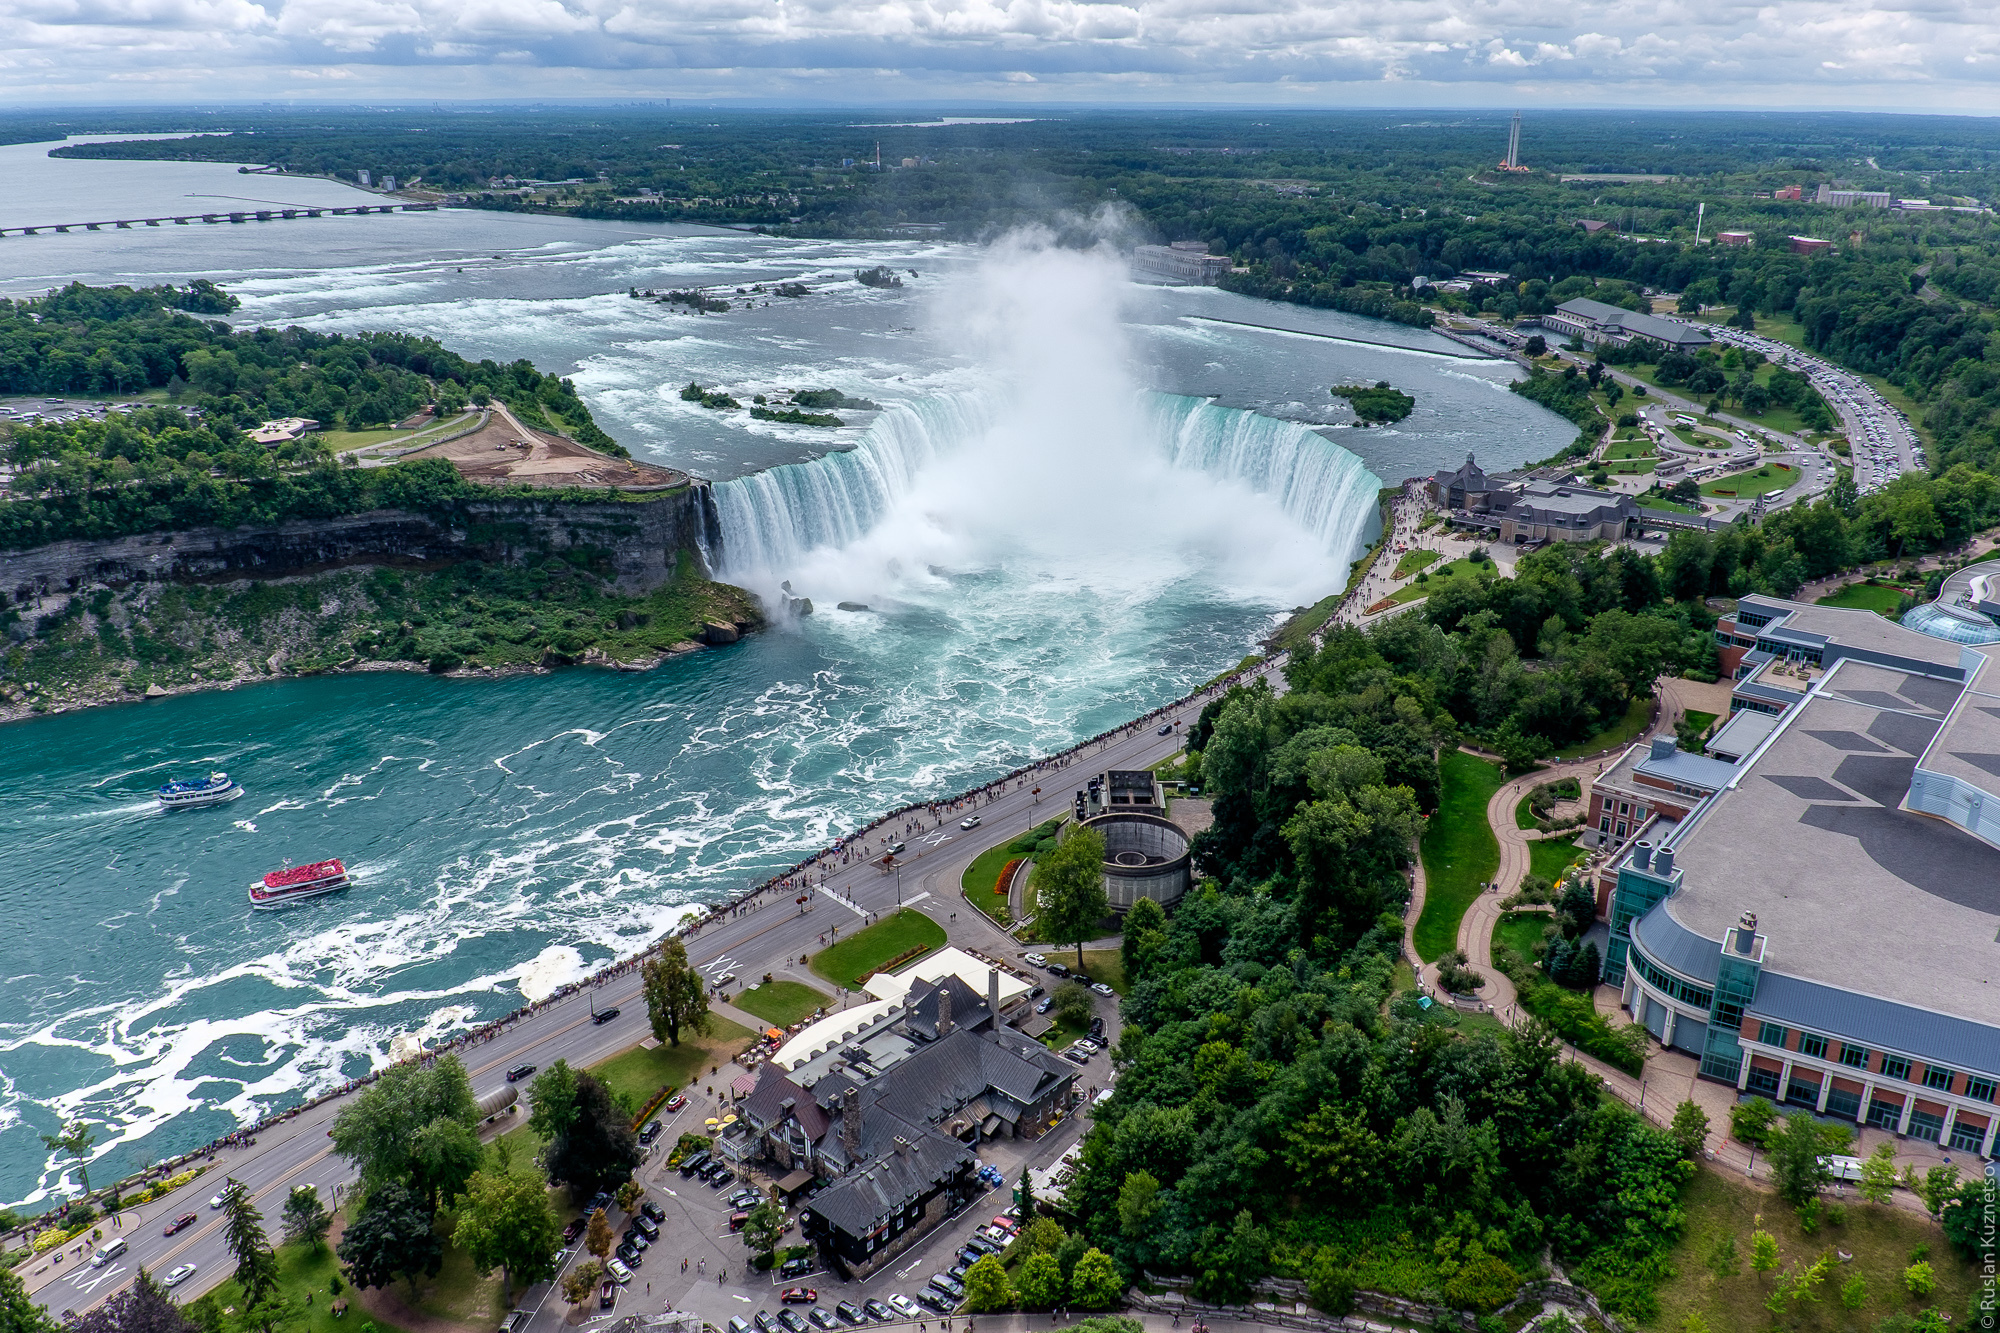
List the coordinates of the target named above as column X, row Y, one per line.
column 1920, row 1279
column 1751, row 1122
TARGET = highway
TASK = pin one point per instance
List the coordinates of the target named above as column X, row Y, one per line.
column 298, row 1151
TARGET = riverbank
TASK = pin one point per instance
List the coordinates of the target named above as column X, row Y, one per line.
column 147, row 640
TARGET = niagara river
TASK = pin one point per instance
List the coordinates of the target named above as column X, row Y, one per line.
column 1080, row 497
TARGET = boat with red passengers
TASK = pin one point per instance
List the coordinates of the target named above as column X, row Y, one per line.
column 281, row 888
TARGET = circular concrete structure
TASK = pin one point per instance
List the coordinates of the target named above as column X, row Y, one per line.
column 1145, row 856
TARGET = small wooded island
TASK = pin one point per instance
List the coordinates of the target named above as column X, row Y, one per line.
column 1376, row 404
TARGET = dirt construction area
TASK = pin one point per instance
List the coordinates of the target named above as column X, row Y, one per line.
column 503, row 452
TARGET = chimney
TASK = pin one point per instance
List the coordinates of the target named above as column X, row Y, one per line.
column 1662, row 747
column 902, row 1146
column 993, row 995
column 1642, row 855
column 944, row 1010
column 1746, row 934
column 1663, row 862
column 850, row 1124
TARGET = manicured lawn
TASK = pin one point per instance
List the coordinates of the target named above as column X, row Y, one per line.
column 1633, row 448
column 1662, row 502
column 782, row 1003
column 860, row 954
column 1881, row 1240
column 1549, row 857
column 1459, row 850
column 1457, row 569
column 1105, row 965
column 1876, row 597
column 1413, row 561
column 1622, row 732
column 1522, row 932
column 302, row 1273
column 1759, row 481
column 1701, row 719
column 1524, row 814
column 982, row 875
column 640, row 1073
column 1631, row 467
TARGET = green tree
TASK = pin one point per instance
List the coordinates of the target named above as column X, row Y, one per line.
column 1483, row 1282
column 19, row 1312
column 306, row 1218
column 987, row 1287
column 1095, row 1283
column 75, row 1139
column 764, row 1230
column 1137, row 1198
column 1919, row 1279
column 579, row 1285
column 143, row 1307
column 393, row 1236
column 1854, row 1292
column 505, row 1222
column 553, row 1098
column 597, row 1234
column 1878, row 1175
column 1690, row 1130
column 1798, row 1162
column 1763, row 1251
column 1024, row 1196
column 598, row 1150
column 379, row 1131
column 1070, row 901
column 1041, row 1284
column 1750, row 1122
column 1330, row 1283
column 1144, row 936
column 1937, row 1188
column 256, row 1265
column 443, row 1156
column 1072, row 1004
column 676, row 996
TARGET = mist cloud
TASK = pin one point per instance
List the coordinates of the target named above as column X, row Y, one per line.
column 1897, row 55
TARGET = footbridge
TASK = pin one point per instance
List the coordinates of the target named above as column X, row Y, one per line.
column 275, row 214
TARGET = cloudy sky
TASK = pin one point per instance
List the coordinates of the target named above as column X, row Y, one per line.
column 1896, row 55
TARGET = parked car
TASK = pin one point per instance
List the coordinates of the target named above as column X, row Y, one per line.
column 967, row 1256
column 653, row 1211
column 1007, row 1222
column 795, row 1267
column 181, row 1223
column 630, row 1254
column 958, row 1271
column 764, row 1322
column 1058, row 969
column 906, row 1307
column 737, row 1220
column 822, row 1319
column 179, row 1275
column 970, row 822
column 738, row 1324
column 636, row 1239
column 948, row 1285
column 878, row 1310
column 577, row 1226
column 651, row 1131
column 1074, row 1056
column 1046, row 1003
column 798, row 1296
column 934, row 1300
column 677, row 1101
column 607, row 1294
column 1097, row 1026
column 1101, row 988
column 1035, row 959
column 792, row 1320
column 693, row 1163
column 851, row 1312
column 600, row 1202
column 616, row 1267
column 982, row 1246
column 519, row 1072
column 723, row 1177
column 646, row 1227
column 995, row 1234
column 1086, row 1044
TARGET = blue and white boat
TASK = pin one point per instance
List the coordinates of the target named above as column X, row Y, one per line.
column 211, row 790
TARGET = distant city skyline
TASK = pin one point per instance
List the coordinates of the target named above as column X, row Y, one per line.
column 1800, row 55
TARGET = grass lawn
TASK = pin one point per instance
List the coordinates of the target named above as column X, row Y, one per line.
column 1413, row 561
column 1459, row 850
column 1549, row 857
column 1880, row 1239
column 1522, row 932
column 860, row 954
column 641, row 1073
column 1306, row 623
column 1701, row 719
column 1662, row 502
column 301, row 1272
column 782, row 1003
column 1876, row 597
column 1788, row 331
column 1524, row 813
column 1759, row 481
column 1631, row 467
column 1457, row 569
column 1622, row 732
column 982, row 875
column 1105, row 965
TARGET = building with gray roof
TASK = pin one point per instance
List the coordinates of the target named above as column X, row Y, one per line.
column 1597, row 324
column 1792, row 929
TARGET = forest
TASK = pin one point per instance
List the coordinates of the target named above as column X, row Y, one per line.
column 186, row 460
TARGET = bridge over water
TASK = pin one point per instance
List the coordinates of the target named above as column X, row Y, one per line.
column 229, row 215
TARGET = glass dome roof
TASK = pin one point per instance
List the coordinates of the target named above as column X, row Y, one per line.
column 1955, row 624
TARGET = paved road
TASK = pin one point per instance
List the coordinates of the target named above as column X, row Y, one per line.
column 298, row 1151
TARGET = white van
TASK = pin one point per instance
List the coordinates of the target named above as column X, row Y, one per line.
column 110, row 1250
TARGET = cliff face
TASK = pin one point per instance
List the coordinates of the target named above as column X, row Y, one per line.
column 640, row 541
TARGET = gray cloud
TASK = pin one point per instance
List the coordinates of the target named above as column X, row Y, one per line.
column 1903, row 54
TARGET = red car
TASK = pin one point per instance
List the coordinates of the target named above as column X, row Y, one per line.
column 677, row 1101
column 799, row 1296
column 1006, row 1223
column 181, row 1223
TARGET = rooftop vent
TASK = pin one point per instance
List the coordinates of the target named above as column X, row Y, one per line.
column 1663, row 863
column 1642, row 855
column 1663, row 746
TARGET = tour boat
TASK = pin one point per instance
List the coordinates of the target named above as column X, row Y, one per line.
column 281, row 888
column 211, row 790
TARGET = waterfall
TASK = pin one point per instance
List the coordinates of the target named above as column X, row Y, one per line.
column 771, row 519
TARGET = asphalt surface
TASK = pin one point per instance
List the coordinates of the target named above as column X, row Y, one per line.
column 299, row 1150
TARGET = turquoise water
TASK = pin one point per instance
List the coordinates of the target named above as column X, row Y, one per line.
column 1081, row 499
